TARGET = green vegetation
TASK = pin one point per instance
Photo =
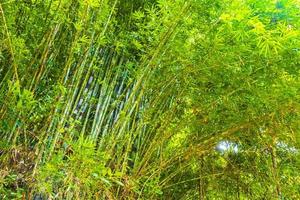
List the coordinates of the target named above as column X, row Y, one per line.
column 149, row 99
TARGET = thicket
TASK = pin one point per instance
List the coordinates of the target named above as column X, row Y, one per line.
column 149, row 99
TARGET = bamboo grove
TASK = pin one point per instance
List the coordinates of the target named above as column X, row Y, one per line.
column 149, row 99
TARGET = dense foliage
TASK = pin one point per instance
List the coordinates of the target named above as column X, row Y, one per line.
column 149, row 99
